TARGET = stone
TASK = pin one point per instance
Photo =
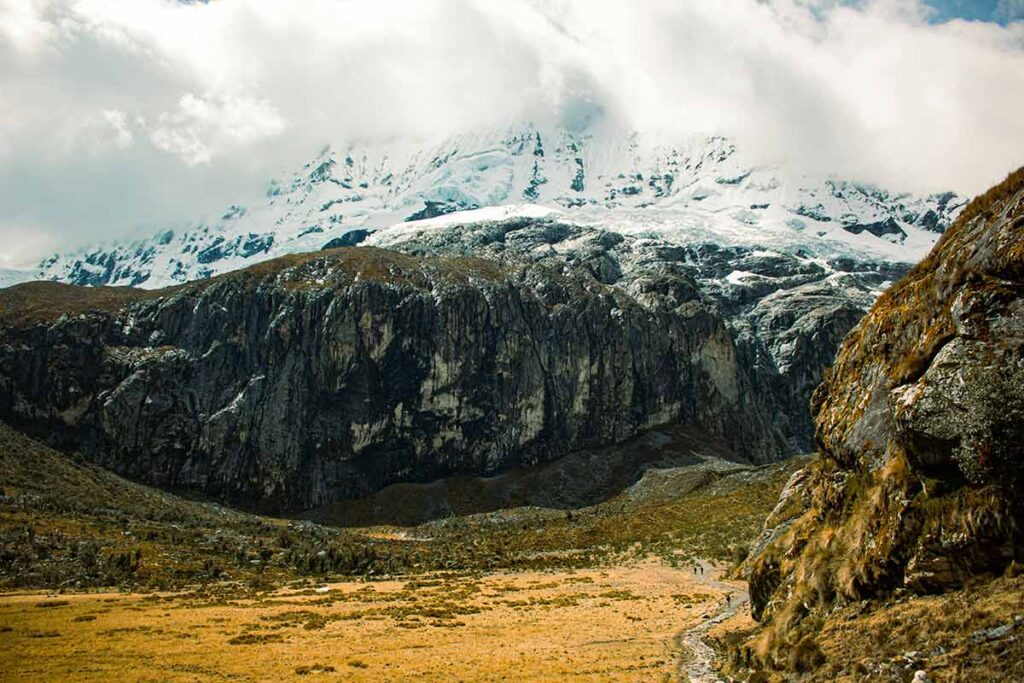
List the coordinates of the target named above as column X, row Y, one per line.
column 999, row 632
column 920, row 422
column 349, row 239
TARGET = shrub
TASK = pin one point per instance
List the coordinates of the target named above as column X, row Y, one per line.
column 806, row 655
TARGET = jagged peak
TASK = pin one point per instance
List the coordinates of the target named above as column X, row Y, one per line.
column 701, row 188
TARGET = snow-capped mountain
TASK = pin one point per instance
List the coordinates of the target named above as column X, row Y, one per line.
column 698, row 191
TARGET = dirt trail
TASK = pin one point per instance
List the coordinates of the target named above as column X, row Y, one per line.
column 695, row 664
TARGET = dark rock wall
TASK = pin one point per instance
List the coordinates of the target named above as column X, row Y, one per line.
column 786, row 315
column 318, row 378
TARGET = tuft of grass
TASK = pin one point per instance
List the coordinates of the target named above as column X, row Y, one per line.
column 806, row 656
column 256, row 639
column 314, row 669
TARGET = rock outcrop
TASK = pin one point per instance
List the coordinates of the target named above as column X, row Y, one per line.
column 921, row 428
column 325, row 376
column 786, row 313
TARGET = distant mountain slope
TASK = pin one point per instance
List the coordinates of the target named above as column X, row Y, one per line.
column 13, row 276
column 700, row 190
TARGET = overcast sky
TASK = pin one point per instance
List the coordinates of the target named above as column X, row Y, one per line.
column 120, row 116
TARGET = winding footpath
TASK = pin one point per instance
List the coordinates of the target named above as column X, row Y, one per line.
column 697, row 656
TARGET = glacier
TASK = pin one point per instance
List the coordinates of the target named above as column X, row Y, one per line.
column 701, row 190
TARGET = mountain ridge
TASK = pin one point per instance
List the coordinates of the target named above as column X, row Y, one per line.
column 325, row 376
column 698, row 190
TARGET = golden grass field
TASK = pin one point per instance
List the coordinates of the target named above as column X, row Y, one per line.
column 155, row 587
column 615, row 624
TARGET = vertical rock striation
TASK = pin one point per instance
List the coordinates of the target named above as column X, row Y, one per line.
column 324, row 376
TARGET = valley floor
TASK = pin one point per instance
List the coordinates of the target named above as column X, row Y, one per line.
column 601, row 624
column 102, row 579
column 524, row 576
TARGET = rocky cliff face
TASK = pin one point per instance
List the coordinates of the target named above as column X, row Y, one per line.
column 786, row 313
column 921, row 426
column 324, row 376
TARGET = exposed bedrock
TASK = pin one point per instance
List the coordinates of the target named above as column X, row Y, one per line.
column 326, row 376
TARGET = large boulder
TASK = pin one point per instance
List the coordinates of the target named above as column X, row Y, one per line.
column 921, row 427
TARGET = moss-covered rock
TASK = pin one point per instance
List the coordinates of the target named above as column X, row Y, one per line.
column 921, row 427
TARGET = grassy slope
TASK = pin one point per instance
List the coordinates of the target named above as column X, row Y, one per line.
column 953, row 637
column 69, row 524
column 65, row 523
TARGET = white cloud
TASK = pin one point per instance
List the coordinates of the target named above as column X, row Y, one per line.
column 118, row 122
column 201, row 127
column 24, row 26
column 106, row 103
column 23, row 243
